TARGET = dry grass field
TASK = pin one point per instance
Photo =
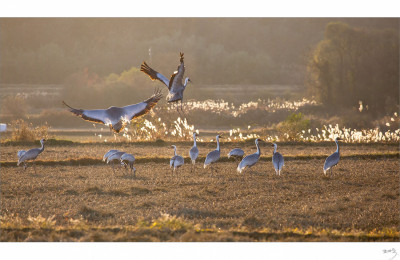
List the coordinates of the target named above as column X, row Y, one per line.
column 82, row 200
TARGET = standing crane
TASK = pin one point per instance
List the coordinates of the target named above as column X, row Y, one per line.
column 175, row 86
column 30, row 155
column 128, row 159
column 194, row 152
column 250, row 160
column 277, row 160
column 117, row 117
column 115, row 157
column 332, row 159
column 176, row 161
column 213, row 156
column 236, row 154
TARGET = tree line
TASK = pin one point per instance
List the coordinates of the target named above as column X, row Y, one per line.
column 352, row 65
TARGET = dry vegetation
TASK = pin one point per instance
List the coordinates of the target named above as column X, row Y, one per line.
column 89, row 203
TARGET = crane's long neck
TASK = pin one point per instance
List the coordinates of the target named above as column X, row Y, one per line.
column 258, row 149
column 275, row 147
column 194, row 138
column 218, row 143
column 186, row 81
column 337, row 146
column 175, row 151
column 42, row 148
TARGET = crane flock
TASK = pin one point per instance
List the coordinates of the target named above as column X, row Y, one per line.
column 118, row 117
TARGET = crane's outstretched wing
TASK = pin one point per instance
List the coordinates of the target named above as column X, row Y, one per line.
column 154, row 74
column 175, row 83
column 136, row 110
column 96, row 115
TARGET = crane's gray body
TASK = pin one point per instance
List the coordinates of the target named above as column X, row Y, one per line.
column 176, row 161
column 20, row 153
column 30, row 155
column 332, row 159
column 129, row 159
column 115, row 157
column 194, row 151
column 109, row 153
column 250, row 160
column 213, row 156
column 277, row 161
column 236, row 153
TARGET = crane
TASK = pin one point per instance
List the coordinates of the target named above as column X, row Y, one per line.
column 30, row 155
column 250, row 160
column 115, row 157
column 277, row 160
column 175, row 86
column 176, row 161
column 194, row 151
column 332, row 159
column 213, row 156
column 117, row 117
column 236, row 154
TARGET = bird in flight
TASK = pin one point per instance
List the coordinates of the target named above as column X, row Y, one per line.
column 175, row 85
column 117, row 117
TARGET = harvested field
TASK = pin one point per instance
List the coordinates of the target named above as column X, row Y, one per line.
column 90, row 203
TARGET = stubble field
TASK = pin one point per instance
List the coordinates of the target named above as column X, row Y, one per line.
column 75, row 197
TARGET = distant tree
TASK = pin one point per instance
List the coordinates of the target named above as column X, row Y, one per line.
column 352, row 64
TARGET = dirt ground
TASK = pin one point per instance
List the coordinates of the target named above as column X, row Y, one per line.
column 362, row 197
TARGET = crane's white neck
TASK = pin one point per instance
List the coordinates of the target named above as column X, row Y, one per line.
column 258, row 148
column 337, row 146
column 194, row 138
column 218, row 143
column 186, row 81
column 175, row 150
column 42, row 148
column 275, row 147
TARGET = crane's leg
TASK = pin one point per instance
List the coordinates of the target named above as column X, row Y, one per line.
column 34, row 167
column 127, row 169
column 331, row 171
column 251, row 170
column 25, row 165
column 134, row 171
column 113, row 168
column 244, row 174
column 181, row 107
column 177, row 109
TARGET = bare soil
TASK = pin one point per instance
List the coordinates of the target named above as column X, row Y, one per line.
column 360, row 202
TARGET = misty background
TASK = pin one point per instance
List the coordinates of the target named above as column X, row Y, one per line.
column 95, row 63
